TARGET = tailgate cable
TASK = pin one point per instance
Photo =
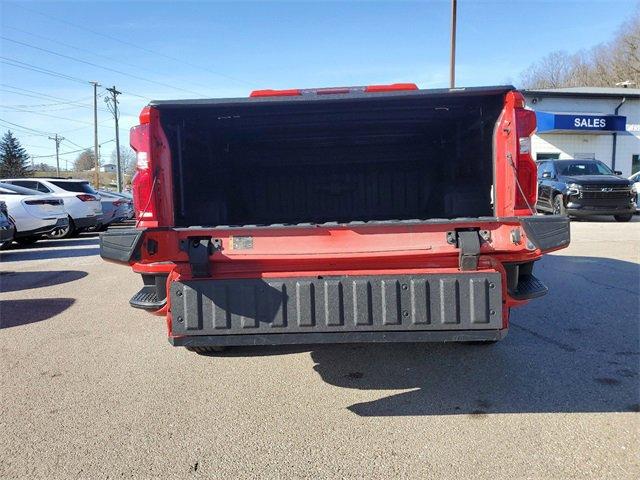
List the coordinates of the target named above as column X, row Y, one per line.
column 515, row 170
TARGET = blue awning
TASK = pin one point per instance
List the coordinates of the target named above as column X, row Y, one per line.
column 549, row 122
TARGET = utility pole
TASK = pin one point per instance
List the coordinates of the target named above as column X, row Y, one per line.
column 452, row 65
column 96, row 152
column 57, row 139
column 112, row 103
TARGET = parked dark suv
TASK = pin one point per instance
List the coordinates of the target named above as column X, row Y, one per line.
column 584, row 187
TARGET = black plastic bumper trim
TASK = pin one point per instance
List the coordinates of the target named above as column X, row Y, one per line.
column 342, row 303
column 547, row 232
column 86, row 222
column 121, row 246
column 339, row 337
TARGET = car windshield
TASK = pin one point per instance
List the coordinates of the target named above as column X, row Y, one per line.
column 582, row 167
column 80, row 187
column 8, row 189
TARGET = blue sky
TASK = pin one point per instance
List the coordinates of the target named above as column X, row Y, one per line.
column 162, row 50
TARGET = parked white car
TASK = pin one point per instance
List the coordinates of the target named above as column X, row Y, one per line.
column 635, row 178
column 81, row 201
column 32, row 213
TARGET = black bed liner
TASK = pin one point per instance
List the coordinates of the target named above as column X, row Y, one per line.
column 333, row 158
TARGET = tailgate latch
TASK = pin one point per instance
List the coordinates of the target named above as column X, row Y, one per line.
column 199, row 249
column 468, row 241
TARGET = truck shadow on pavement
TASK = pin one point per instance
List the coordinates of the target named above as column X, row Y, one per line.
column 22, row 312
column 16, row 281
column 577, row 350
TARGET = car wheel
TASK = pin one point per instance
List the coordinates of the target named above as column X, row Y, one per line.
column 623, row 218
column 207, row 350
column 63, row 232
column 558, row 205
column 26, row 241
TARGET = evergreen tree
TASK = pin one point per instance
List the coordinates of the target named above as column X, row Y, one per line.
column 13, row 158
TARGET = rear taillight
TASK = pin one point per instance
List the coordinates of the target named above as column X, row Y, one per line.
column 526, row 194
column 295, row 92
column 142, row 184
column 85, row 197
column 118, row 203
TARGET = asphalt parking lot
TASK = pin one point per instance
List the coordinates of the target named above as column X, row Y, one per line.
column 92, row 389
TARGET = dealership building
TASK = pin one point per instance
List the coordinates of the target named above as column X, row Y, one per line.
column 588, row 122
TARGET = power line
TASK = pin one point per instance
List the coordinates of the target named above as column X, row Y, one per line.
column 34, row 94
column 40, row 132
column 72, row 151
column 120, row 72
column 148, row 50
column 72, row 143
column 46, row 115
column 34, row 68
column 100, row 55
column 40, row 94
column 72, row 103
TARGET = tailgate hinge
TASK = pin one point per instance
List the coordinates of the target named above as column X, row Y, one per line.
column 199, row 249
column 468, row 241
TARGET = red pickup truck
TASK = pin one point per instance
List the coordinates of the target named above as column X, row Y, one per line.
column 360, row 214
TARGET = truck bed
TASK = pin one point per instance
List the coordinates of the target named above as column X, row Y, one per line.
column 333, row 158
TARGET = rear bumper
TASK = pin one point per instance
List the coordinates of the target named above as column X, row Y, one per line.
column 86, row 222
column 341, row 304
column 340, row 337
column 404, row 301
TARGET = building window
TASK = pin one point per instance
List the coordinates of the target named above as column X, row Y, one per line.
column 547, row 156
column 584, row 156
column 635, row 163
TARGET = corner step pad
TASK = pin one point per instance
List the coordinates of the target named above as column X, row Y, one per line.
column 529, row 287
column 147, row 299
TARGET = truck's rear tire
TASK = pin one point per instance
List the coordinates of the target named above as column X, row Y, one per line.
column 623, row 218
column 207, row 350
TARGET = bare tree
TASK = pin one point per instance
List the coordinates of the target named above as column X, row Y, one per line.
column 553, row 71
column 43, row 167
column 603, row 65
column 85, row 161
column 127, row 158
